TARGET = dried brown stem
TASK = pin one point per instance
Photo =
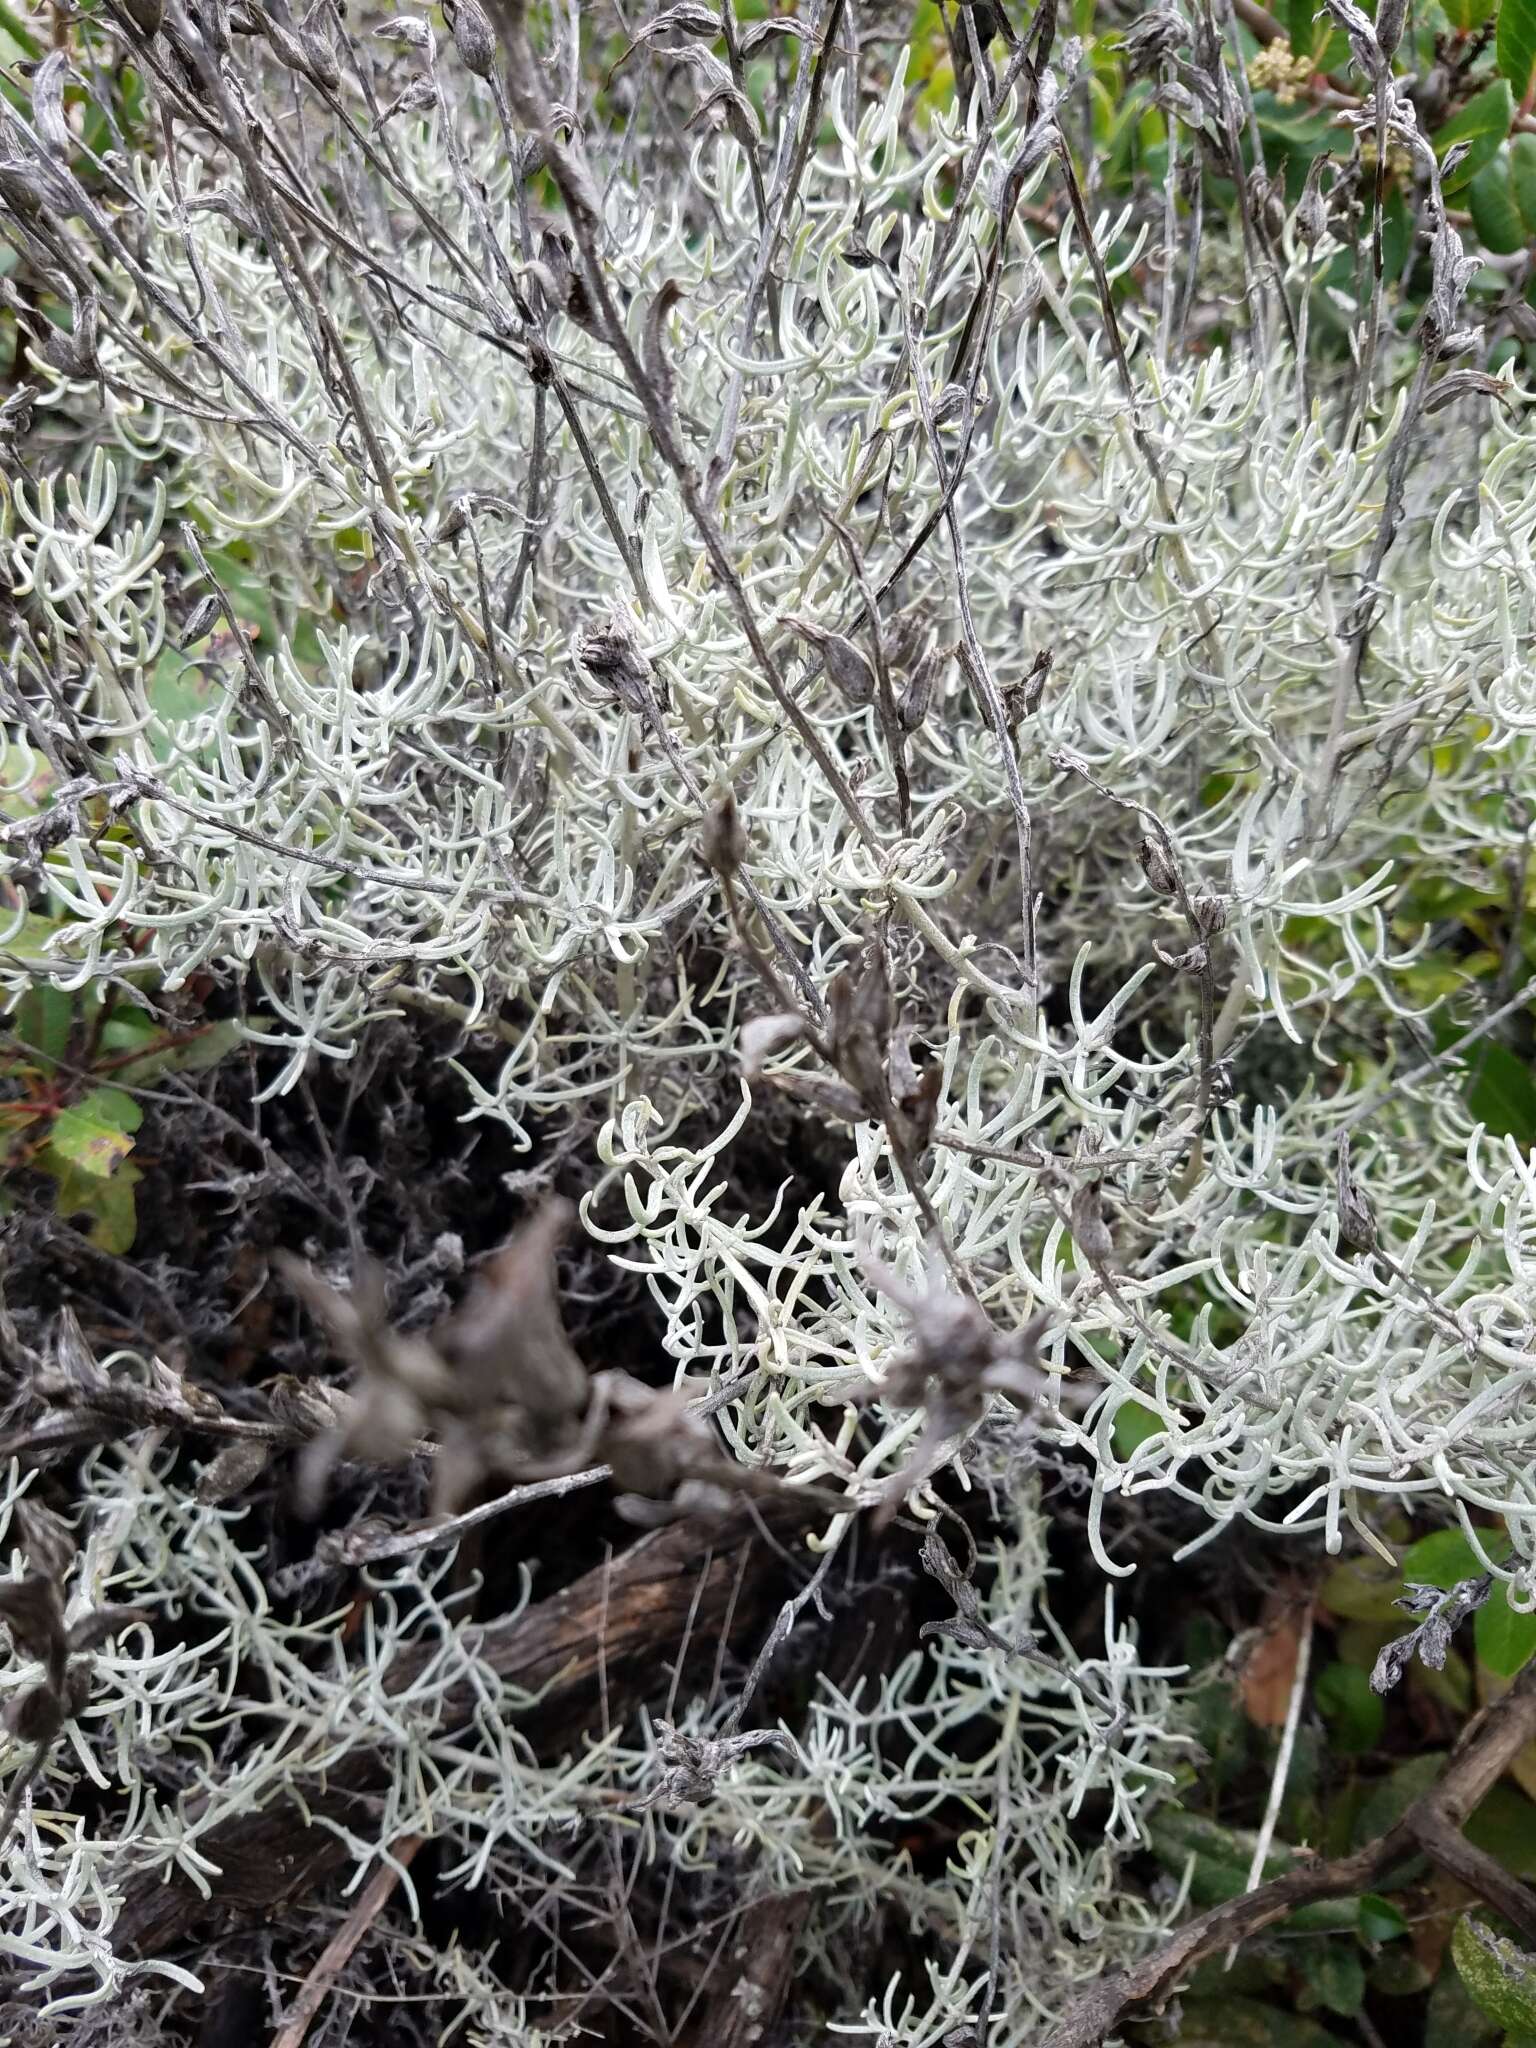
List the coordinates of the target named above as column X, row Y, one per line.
column 337, row 1952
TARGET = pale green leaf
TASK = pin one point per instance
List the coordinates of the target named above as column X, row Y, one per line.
column 1500, row 1975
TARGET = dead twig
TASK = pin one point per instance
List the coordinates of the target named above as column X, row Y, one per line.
column 337, row 1952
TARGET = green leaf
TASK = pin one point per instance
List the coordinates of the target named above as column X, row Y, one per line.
column 1134, row 1423
column 19, row 34
column 1451, row 1685
column 1398, row 1973
column 1363, row 1589
column 1222, row 1857
column 1504, row 1827
column 1522, row 178
column 1515, row 44
column 1505, row 1640
column 192, row 1054
column 26, row 777
column 1333, row 1973
column 1446, row 1558
column 1380, row 1920
column 128, row 1030
column 1500, row 1976
column 179, row 690
column 251, row 600
column 1246, row 2023
column 1501, row 1091
column 1390, row 1797
column 1501, row 229
column 1452, row 2020
column 43, row 1019
column 1467, row 14
column 26, row 937
column 108, row 1203
column 95, row 1135
column 1355, row 1715
column 1483, row 123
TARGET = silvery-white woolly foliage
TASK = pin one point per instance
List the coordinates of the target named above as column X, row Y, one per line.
column 1147, row 903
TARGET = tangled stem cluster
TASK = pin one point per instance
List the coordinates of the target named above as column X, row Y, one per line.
column 1094, row 706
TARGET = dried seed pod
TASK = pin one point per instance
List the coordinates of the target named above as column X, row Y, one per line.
column 1357, row 1219
column 842, row 660
column 1268, row 204
column 201, row 620
column 1390, row 17
column 1210, row 912
column 1312, row 208
column 1089, row 1230
column 610, row 656
column 405, row 28
column 1194, row 960
column 1157, row 867
column 848, row 668
column 725, row 840
column 474, row 38
column 913, row 704
column 1033, row 685
column 233, row 1470
column 21, row 190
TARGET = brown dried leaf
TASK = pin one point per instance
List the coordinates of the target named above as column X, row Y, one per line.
column 33, row 1610
column 1269, row 1674
column 508, row 1343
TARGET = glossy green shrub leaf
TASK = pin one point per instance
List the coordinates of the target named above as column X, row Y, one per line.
column 26, row 938
column 1222, row 1856
column 1445, row 1558
column 1467, row 14
column 26, row 777
column 193, row 1053
column 1501, row 230
column 1503, row 1825
column 42, row 1020
column 1355, row 1715
column 1500, row 1975
column 1333, row 1976
column 1453, row 2019
column 1380, row 1920
column 1363, row 1589
column 1134, row 1424
column 1515, row 43
column 1522, row 178
column 1247, row 2023
column 1505, row 1640
column 1483, row 124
